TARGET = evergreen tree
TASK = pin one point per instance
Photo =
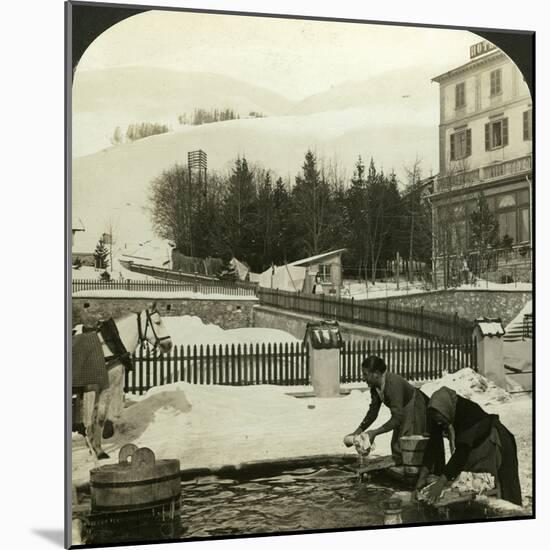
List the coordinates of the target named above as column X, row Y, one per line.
column 101, row 255
column 240, row 214
column 265, row 220
column 311, row 196
column 382, row 199
column 117, row 136
column 356, row 214
column 283, row 244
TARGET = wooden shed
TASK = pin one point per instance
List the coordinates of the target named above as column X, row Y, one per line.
column 329, row 268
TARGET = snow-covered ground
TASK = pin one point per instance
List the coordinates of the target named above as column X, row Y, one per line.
column 519, row 354
column 381, row 289
column 482, row 284
column 118, row 273
column 191, row 329
column 211, row 426
column 154, row 294
column 387, row 289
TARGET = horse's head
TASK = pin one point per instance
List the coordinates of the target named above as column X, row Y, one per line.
column 152, row 329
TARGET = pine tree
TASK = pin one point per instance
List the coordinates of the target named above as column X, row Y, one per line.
column 101, row 255
column 283, row 245
column 117, row 136
column 356, row 214
column 311, row 196
column 240, row 211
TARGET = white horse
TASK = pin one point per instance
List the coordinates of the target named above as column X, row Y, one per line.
column 98, row 405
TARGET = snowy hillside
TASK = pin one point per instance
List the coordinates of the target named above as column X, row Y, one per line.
column 104, row 99
column 390, row 91
column 114, row 182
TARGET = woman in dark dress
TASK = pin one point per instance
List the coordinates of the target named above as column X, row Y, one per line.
column 478, row 441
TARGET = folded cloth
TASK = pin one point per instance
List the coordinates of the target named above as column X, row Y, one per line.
column 88, row 362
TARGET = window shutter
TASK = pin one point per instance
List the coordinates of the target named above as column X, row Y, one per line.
column 452, row 146
column 487, row 137
column 527, row 132
column 504, row 131
column 468, row 142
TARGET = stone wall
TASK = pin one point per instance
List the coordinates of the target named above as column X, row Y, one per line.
column 227, row 314
column 469, row 304
column 295, row 324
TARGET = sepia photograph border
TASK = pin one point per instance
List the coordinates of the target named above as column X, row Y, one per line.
column 85, row 21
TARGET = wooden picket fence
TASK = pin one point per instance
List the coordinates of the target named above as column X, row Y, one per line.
column 227, row 288
column 235, row 365
column 413, row 359
column 288, row 364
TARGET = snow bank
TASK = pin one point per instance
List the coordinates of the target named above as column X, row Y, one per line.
column 527, row 309
column 382, row 289
column 118, row 273
column 211, row 426
column 386, row 289
column 189, row 329
column 471, row 385
column 106, row 293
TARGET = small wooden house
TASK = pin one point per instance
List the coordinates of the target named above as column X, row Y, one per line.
column 329, row 268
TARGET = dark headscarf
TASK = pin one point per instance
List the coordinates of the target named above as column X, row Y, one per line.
column 444, row 401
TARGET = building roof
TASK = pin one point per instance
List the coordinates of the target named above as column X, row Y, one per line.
column 490, row 327
column 313, row 259
column 492, row 56
column 77, row 224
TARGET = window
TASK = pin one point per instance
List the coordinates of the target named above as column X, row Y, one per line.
column 524, row 232
column 506, row 201
column 496, row 134
column 523, row 196
column 507, row 224
column 496, row 82
column 513, row 215
column 324, row 271
column 460, row 95
column 528, row 125
column 461, row 144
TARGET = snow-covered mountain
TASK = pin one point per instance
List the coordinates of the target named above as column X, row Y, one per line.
column 112, row 184
column 406, row 89
column 105, row 99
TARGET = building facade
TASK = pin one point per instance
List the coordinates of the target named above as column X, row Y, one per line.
column 485, row 148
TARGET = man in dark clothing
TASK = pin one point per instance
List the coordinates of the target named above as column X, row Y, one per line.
column 406, row 403
column 479, row 443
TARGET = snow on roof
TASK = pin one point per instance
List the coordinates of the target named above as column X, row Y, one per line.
column 318, row 257
column 490, row 327
column 77, row 225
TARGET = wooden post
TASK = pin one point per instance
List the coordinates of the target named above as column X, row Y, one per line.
column 455, row 326
column 397, row 266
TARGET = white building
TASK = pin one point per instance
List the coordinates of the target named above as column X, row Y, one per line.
column 485, row 145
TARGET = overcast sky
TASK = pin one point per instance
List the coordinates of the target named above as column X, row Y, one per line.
column 294, row 58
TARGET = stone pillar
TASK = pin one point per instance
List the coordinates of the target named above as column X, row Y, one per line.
column 490, row 350
column 324, row 367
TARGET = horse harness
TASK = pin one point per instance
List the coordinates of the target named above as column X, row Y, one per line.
column 149, row 323
column 108, row 332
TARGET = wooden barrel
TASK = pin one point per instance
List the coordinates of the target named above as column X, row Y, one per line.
column 137, row 482
column 412, row 450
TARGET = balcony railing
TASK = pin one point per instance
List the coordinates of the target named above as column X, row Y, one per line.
column 507, row 168
column 478, row 175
